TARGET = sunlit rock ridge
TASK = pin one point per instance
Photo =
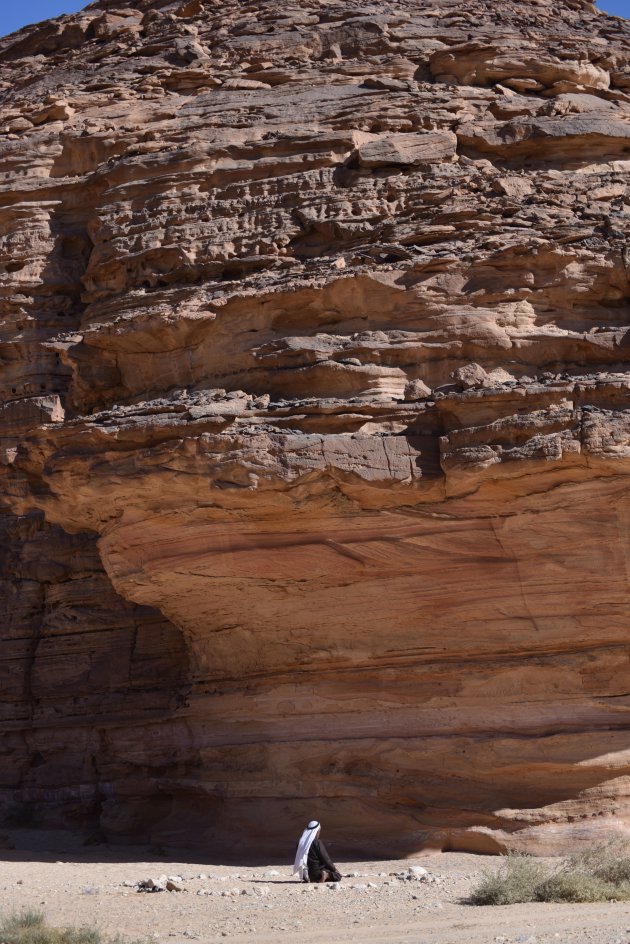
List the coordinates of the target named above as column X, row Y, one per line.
column 315, row 423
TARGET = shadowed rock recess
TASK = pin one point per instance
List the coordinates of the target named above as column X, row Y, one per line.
column 315, row 423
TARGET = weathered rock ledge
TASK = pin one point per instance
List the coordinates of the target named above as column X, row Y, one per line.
column 315, row 422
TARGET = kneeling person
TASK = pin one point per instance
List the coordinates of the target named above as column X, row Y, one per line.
column 312, row 862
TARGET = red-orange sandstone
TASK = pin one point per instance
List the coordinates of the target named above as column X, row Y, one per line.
column 315, row 422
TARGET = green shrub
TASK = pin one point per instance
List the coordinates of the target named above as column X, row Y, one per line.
column 609, row 861
column 576, row 886
column 18, row 922
column 599, row 873
column 516, row 881
column 29, row 927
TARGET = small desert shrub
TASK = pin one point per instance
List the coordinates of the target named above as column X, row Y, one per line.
column 29, row 927
column 609, row 861
column 577, row 886
column 516, row 881
column 599, row 873
column 25, row 919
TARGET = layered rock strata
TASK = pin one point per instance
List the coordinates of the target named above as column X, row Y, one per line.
column 315, row 324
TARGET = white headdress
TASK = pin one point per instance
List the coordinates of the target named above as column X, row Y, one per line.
column 304, row 845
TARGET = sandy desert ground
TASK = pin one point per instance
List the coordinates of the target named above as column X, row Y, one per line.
column 377, row 902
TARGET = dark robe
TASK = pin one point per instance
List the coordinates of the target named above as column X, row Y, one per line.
column 319, row 861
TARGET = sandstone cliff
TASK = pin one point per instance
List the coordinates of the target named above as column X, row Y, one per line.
column 315, row 429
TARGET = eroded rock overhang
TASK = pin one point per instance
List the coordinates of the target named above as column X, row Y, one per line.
column 319, row 322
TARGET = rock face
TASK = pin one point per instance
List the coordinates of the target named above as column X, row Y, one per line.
column 315, row 428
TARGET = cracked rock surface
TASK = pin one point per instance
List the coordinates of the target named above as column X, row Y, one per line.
column 315, row 426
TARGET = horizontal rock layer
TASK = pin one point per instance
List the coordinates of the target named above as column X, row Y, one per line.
column 314, row 322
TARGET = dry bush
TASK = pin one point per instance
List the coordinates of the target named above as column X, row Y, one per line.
column 516, row 881
column 29, row 927
column 599, row 873
column 577, row 886
column 608, row 861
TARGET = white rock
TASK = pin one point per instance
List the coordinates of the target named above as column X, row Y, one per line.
column 472, row 375
column 417, row 390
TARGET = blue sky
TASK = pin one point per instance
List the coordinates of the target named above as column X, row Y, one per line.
column 17, row 13
column 618, row 7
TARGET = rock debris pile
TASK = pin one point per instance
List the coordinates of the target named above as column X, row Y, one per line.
column 165, row 883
